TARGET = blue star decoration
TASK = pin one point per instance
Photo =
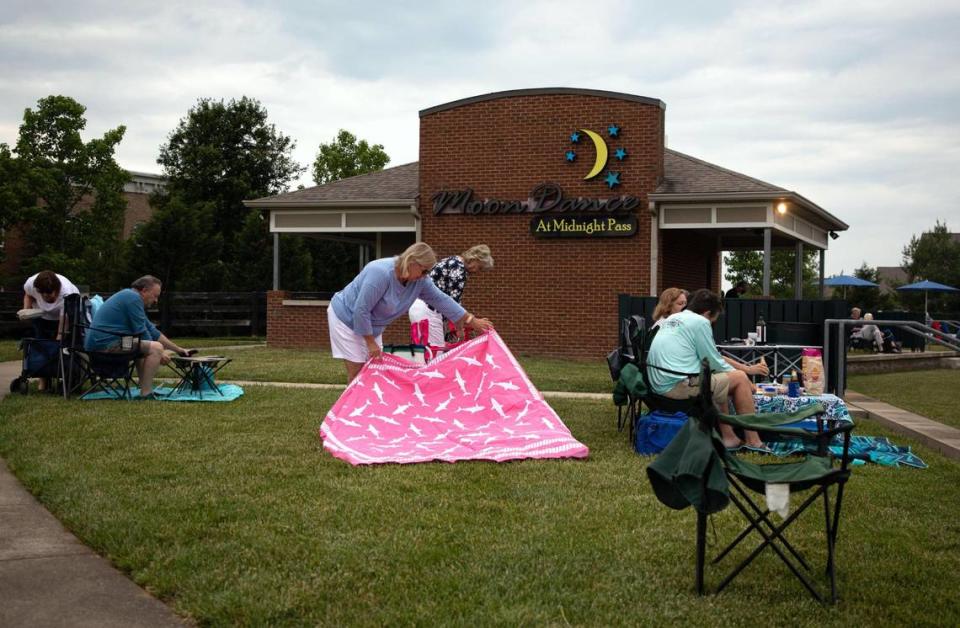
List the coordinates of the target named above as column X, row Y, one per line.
column 571, row 155
column 613, row 178
column 574, row 137
column 620, row 153
column 613, row 130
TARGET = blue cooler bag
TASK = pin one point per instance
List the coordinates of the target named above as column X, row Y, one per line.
column 654, row 431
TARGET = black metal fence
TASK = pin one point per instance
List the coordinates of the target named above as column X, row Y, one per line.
column 789, row 321
column 177, row 313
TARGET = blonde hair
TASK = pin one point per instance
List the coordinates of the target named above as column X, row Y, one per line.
column 419, row 253
column 667, row 298
column 479, row 253
column 868, row 316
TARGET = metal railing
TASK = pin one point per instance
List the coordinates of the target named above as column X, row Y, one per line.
column 929, row 334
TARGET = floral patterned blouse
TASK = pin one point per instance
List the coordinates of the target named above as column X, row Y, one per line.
column 450, row 275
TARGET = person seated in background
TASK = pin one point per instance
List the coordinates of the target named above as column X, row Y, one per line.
column 45, row 291
column 683, row 341
column 125, row 314
column 672, row 300
column 856, row 337
column 737, row 290
column 450, row 275
column 880, row 339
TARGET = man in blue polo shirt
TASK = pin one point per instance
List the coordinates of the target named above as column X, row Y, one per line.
column 125, row 314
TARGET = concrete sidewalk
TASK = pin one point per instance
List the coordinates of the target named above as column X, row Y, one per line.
column 49, row 578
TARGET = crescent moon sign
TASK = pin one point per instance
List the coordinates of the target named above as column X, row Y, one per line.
column 601, row 154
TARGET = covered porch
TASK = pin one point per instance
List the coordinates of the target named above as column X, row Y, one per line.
column 701, row 210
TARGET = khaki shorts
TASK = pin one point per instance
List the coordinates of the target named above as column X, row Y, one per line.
column 690, row 387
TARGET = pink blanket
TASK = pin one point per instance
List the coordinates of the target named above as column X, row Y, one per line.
column 474, row 402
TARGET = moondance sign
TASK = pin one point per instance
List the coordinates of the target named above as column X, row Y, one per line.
column 546, row 197
column 474, row 402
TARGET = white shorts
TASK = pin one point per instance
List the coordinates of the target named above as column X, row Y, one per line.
column 345, row 343
column 419, row 311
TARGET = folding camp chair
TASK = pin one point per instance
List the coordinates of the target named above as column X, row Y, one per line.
column 633, row 384
column 107, row 371
column 696, row 469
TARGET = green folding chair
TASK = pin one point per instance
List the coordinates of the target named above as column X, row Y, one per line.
column 697, row 470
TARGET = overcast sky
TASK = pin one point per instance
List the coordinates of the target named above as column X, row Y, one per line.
column 855, row 105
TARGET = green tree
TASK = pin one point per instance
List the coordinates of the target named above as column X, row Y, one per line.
column 75, row 211
column 178, row 245
column 346, row 157
column 868, row 299
column 933, row 255
column 15, row 193
column 748, row 266
column 219, row 155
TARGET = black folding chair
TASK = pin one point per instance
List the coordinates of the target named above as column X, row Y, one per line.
column 94, row 371
column 696, row 469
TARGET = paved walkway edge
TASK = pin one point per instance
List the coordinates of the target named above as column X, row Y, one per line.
column 937, row 436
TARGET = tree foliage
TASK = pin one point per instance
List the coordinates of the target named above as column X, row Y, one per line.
column 868, row 299
column 69, row 193
column 933, row 255
column 346, row 157
column 178, row 245
column 748, row 266
column 220, row 154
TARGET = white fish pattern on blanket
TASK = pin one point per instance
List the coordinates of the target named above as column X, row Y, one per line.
column 397, row 411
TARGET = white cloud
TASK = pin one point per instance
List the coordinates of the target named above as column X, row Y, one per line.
column 851, row 104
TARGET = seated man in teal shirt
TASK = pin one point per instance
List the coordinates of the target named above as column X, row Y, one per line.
column 684, row 340
column 125, row 314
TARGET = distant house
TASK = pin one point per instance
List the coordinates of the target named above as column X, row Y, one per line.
column 137, row 193
column 891, row 276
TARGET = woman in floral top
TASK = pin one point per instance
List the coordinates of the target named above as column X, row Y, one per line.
column 450, row 275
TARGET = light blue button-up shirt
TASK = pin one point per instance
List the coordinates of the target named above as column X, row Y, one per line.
column 375, row 298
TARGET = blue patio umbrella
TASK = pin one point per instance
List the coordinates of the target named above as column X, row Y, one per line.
column 842, row 281
column 927, row 286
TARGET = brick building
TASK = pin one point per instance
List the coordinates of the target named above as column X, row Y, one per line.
column 577, row 196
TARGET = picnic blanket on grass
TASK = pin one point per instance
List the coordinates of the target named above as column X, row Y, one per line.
column 877, row 449
column 166, row 393
column 473, row 402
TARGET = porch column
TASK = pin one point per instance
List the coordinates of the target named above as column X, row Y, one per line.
column 767, row 245
column 823, row 255
column 798, row 272
column 276, row 261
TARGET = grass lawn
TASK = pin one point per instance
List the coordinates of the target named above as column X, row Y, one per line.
column 9, row 351
column 292, row 365
column 233, row 514
column 932, row 394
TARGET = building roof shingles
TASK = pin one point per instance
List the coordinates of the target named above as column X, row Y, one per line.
column 683, row 174
column 391, row 184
